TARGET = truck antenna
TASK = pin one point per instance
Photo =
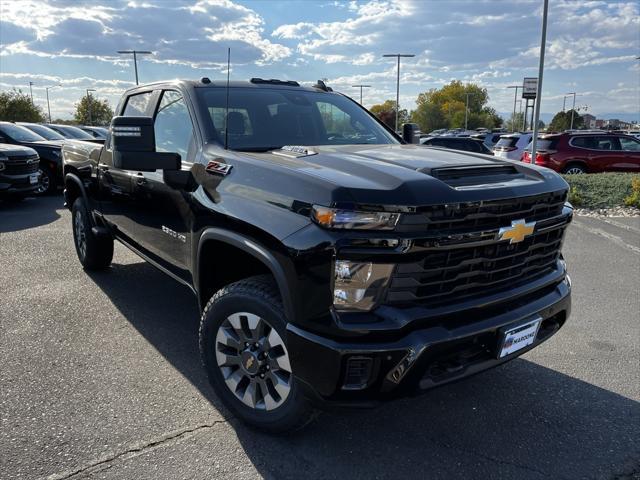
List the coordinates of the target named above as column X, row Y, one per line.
column 226, row 110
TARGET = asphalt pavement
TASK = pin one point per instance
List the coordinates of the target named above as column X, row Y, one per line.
column 100, row 377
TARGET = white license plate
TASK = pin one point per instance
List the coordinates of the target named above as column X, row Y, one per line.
column 33, row 179
column 517, row 338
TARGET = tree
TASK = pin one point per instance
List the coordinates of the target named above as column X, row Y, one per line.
column 386, row 112
column 515, row 124
column 16, row 106
column 562, row 121
column 93, row 111
column 445, row 107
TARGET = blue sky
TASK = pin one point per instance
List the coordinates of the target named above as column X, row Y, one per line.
column 592, row 46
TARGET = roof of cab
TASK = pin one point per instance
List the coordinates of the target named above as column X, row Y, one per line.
column 223, row 83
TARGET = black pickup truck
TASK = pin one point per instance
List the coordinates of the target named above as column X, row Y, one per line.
column 334, row 263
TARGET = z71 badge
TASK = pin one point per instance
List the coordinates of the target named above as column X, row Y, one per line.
column 218, row 168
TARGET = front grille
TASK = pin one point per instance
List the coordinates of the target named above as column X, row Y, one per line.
column 457, row 268
column 21, row 165
column 486, row 215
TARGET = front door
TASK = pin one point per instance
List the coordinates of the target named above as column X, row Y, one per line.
column 631, row 148
column 163, row 214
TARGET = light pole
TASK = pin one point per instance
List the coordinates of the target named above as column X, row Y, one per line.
column 135, row 58
column 515, row 98
column 466, row 109
column 398, row 56
column 31, row 84
column 48, row 106
column 573, row 108
column 89, row 90
column 361, row 87
column 543, row 44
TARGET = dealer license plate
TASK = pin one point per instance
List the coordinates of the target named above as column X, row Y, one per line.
column 519, row 337
column 33, row 179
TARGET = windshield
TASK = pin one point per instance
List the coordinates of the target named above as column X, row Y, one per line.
column 74, row 132
column 20, row 133
column 267, row 119
column 44, row 132
column 507, row 142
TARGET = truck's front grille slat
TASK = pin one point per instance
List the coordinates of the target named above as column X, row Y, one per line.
column 451, row 272
column 21, row 165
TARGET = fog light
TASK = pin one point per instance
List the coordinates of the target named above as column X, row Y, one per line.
column 357, row 373
column 358, row 285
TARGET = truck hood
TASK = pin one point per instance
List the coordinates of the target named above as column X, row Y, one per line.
column 413, row 175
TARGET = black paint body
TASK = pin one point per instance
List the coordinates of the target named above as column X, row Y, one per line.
column 257, row 220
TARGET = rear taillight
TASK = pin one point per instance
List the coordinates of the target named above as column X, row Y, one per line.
column 542, row 158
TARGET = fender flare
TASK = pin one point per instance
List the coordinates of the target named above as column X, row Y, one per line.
column 254, row 249
column 72, row 177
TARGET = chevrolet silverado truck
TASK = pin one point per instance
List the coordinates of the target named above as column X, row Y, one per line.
column 335, row 264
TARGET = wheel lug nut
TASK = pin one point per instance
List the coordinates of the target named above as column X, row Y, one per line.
column 267, row 367
column 262, row 375
column 246, row 344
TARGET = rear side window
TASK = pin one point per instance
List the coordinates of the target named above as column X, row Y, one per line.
column 137, row 105
column 606, row 143
column 583, row 142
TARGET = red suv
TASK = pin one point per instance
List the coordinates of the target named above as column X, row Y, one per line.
column 574, row 153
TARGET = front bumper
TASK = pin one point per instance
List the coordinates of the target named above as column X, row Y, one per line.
column 443, row 352
column 18, row 184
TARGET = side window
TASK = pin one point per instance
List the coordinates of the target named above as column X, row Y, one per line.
column 606, row 143
column 583, row 142
column 173, row 127
column 137, row 105
column 629, row 144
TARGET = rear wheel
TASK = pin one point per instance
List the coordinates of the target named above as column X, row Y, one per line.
column 243, row 349
column 94, row 252
column 574, row 169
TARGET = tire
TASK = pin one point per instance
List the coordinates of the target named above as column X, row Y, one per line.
column 260, row 390
column 47, row 181
column 94, row 253
column 574, row 169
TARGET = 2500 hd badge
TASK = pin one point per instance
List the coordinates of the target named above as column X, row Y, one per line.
column 333, row 261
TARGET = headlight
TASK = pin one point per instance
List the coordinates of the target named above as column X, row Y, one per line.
column 334, row 218
column 359, row 285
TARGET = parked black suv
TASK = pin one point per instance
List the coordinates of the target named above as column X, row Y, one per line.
column 19, row 174
column 49, row 151
column 333, row 263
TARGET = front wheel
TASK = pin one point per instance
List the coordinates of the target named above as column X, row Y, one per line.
column 243, row 349
column 94, row 252
column 47, row 182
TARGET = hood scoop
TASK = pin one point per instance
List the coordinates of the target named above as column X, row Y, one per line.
column 479, row 176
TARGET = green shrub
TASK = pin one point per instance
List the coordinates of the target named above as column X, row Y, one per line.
column 603, row 190
column 633, row 200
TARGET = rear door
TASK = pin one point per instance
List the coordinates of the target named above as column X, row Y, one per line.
column 116, row 185
column 606, row 155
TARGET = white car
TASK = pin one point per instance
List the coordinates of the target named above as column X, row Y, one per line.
column 511, row 146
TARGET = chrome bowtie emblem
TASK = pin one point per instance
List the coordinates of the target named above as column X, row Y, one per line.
column 517, row 232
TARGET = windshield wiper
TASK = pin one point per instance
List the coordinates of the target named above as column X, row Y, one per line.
column 256, row 149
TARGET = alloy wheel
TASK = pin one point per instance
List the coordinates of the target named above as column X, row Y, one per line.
column 81, row 239
column 44, row 182
column 254, row 361
column 574, row 171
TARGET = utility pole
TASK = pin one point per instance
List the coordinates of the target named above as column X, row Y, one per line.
column 48, row 106
column 515, row 99
column 538, row 100
column 466, row 109
column 135, row 58
column 89, row 90
column 31, row 84
column 398, row 56
column 573, row 108
column 361, row 87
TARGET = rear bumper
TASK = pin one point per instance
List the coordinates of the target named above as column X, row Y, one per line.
column 421, row 359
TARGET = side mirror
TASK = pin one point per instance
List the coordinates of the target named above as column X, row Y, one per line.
column 411, row 133
column 134, row 146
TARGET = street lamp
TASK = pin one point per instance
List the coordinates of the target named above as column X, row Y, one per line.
column 398, row 56
column 573, row 108
column 515, row 99
column 361, row 87
column 48, row 106
column 89, row 90
column 466, row 109
column 31, row 84
column 538, row 101
column 135, row 58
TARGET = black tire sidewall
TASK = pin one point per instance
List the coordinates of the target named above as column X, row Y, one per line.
column 99, row 251
column 288, row 415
